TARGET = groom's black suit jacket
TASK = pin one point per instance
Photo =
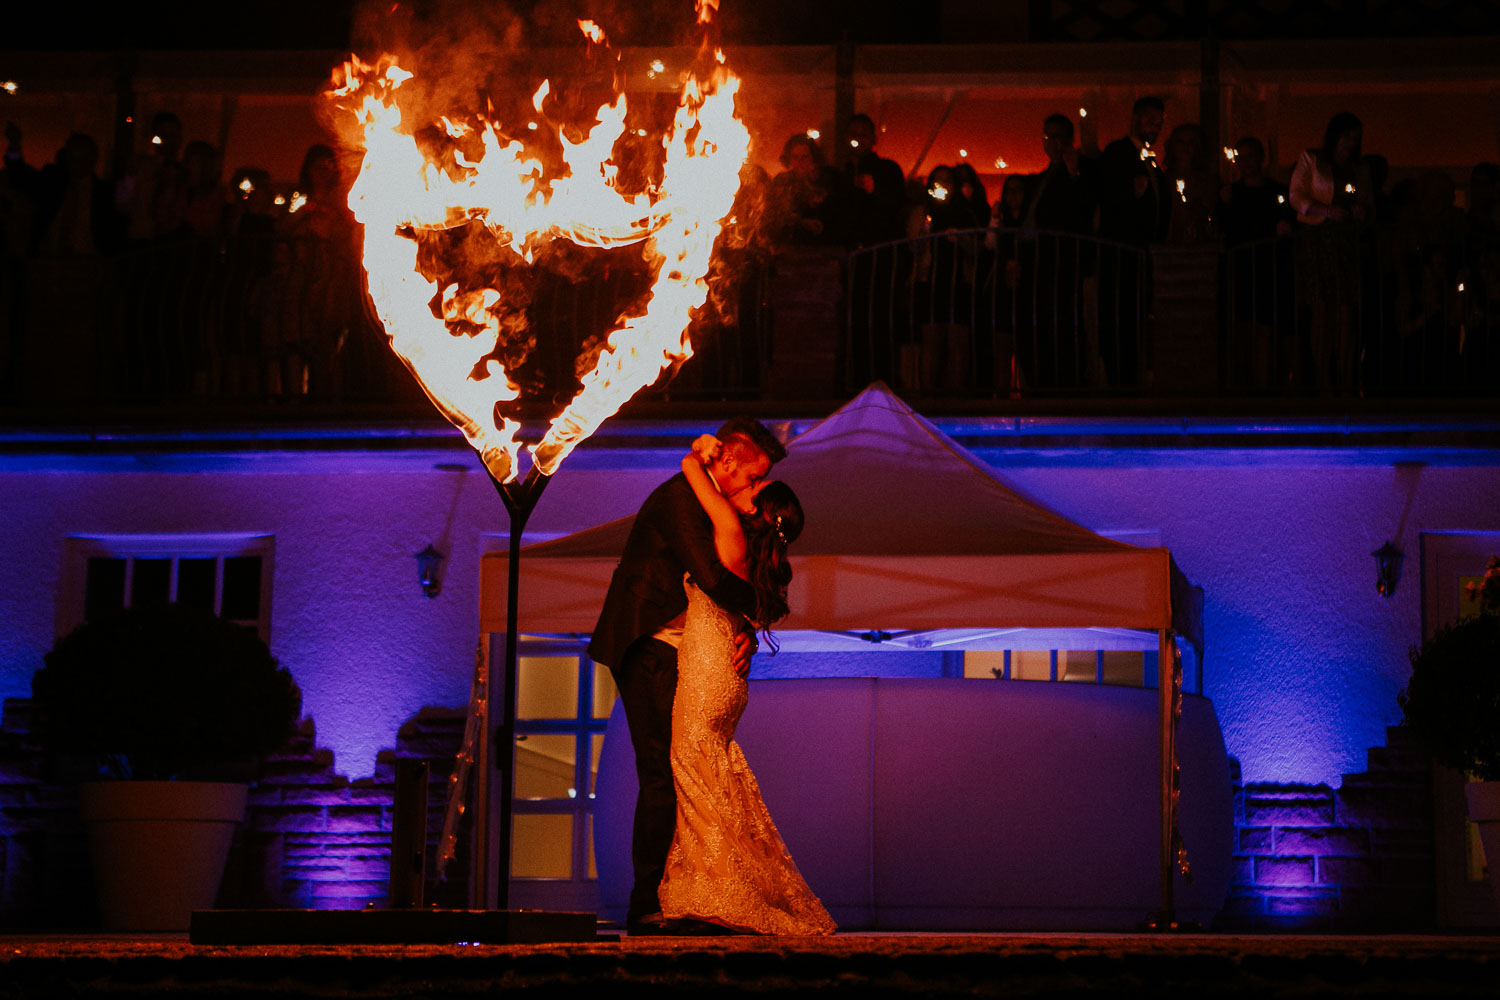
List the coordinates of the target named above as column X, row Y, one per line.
column 672, row 535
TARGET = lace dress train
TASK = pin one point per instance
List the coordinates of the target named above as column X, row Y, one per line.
column 727, row 863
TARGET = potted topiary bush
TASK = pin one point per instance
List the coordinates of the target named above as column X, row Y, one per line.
column 1452, row 702
column 164, row 713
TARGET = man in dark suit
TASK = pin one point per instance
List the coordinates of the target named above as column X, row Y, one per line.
column 1133, row 209
column 641, row 625
column 1052, row 261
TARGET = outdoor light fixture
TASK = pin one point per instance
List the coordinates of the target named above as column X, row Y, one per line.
column 1387, row 568
column 427, row 570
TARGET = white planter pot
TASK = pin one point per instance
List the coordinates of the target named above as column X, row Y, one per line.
column 1484, row 810
column 159, row 848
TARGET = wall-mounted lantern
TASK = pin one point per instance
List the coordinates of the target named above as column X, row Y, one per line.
column 427, row 570
column 1387, row 568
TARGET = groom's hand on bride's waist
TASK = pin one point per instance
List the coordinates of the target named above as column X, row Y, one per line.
column 745, row 644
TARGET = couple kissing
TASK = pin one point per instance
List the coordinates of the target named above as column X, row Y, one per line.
column 705, row 568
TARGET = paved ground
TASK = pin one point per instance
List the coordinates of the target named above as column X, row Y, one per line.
column 853, row 965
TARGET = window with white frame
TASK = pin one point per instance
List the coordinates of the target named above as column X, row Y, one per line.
column 563, row 702
column 228, row 574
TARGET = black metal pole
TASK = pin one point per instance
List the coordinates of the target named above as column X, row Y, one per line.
column 520, row 500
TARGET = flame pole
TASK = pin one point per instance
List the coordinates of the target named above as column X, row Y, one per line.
column 520, row 499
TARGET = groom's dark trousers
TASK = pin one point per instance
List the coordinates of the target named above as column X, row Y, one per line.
column 671, row 536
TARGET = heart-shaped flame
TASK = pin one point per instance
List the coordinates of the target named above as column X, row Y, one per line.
column 399, row 190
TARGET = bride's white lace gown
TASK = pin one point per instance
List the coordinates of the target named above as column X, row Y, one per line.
column 727, row 863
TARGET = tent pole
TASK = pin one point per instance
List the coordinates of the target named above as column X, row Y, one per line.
column 1166, row 686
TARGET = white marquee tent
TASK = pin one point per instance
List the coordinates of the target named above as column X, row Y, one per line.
column 909, row 536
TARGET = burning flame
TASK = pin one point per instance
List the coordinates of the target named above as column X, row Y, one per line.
column 593, row 32
column 524, row 207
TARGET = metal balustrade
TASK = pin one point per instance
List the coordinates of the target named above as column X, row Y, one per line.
column 1362, row 310
column 964, row 315
column 1002, row 312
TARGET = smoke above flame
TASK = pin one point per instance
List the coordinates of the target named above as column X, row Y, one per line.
column 457, row 209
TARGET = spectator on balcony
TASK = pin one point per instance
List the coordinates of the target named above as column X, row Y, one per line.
column 73, row 212
column 318, row 282
column 806, row 207
column 944, row 269
column 1010, row 208
column 1052, row 263
column 250, row 225
column 145, row 191
column 973, row 202
column 1133, row 209
column 1062, row 198
column 1193, row 188
column 1254, row 206
column 1252, row 213
column 1480, row 299
column 877, row 218
column 1330, row 189
column 72, row 346
column 1482, row 216
column 1002, row 282
column 1133, row 203
column 877, row 186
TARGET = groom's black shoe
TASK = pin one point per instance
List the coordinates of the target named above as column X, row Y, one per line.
column 651, row 925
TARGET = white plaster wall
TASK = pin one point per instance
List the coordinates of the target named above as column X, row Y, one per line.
column 1304, row 659
column 348, row 617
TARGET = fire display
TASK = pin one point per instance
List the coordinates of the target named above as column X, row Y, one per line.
column 454, row 209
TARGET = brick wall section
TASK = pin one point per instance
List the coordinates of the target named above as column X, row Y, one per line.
column 1359, row 857
column 312, row 838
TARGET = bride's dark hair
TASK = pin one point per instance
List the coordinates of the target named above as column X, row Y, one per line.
column 775, row 524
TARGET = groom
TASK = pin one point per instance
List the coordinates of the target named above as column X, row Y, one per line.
column 641, row 625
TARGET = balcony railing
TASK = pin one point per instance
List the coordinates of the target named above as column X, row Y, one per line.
column 982, row 314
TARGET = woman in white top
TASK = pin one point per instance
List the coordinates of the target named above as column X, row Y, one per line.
column 1326, row 184
column 1330, row 185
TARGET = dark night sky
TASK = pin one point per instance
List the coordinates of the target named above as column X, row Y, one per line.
column 328, row 24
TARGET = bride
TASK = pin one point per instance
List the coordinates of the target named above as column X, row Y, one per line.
column 728, row 865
